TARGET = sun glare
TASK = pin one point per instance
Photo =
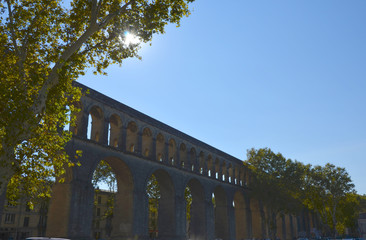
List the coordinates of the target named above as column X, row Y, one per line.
column 130, row 39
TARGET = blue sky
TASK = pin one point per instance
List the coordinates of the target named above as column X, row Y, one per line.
column 288, row 75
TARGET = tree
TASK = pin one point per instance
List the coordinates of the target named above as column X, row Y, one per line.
column 330, row 193
column 104, row 174
column 153, row 194
column 45, row 45
column 362, row 201
column 276, row 182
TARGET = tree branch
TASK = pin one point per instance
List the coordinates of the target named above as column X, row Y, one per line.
column 110, row 16
column 53, row 78
column 25, row 44
column 13, row 37
column 99, row 44
column 94, row 11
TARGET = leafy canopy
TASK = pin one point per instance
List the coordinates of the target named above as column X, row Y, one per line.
column 45, row 45
column 287, row 186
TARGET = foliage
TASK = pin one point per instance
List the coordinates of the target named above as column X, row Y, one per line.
column 330, row 193
column 44, row 47
column 104, row 174
column 286, row 186
column 153, row 193
column 188, row 199
column 276, row 181
column 348, row 213
column 362, row 201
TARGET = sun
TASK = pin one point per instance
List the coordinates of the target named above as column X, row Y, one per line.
column 130, row 39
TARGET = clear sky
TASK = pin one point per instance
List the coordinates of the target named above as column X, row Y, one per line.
column 288, row 75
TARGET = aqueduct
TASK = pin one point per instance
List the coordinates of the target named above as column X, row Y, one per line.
column 137, row 146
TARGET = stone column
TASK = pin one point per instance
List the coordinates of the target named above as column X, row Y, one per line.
column 120, row 138
column 231, row 217
column 59, row 211
column 219, row 174
column 227, row 174
column 140, row 210
column 210, row 216
column 180, row 215
column 284, row 227
column 177, row 155
column 123, row 214
column 123, row 138
column 166, row 153
column 71, row 210
column 138, row 151
column 104, row 135
column 292, row 232
column 249, row 221
column 205, row 170
column 153, row 150
column 82, row 126
column 81, row 211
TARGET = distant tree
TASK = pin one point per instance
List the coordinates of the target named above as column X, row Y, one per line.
column 104, row 175
column 348, row 213
column 362, row 201
column 188, row 199
column 276, row 182
column 44, row 47
column 330, row 193
column 153, row 193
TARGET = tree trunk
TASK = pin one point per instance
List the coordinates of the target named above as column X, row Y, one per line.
column 2, row 204
column 6, row 173
column 334, row 220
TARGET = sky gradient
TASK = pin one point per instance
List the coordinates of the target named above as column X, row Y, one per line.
column 288, row 75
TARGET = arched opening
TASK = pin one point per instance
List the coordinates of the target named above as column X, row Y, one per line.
column 95, row 124
column 160, row 192
column 113, row 200
column 195, row 211
column 183, row 156
column 105, row 185
column 147, row 143
column 220, row 213
column 172, row 152
column 115, row 124
column 160, row 147
column 153, row 194
column 131, row 137
column 241, row 225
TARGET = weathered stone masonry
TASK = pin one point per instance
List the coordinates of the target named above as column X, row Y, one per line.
column 137, row 146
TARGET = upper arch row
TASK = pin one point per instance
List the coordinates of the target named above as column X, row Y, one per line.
column 111, row 126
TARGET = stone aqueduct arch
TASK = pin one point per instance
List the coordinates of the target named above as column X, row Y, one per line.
column 137, row 146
